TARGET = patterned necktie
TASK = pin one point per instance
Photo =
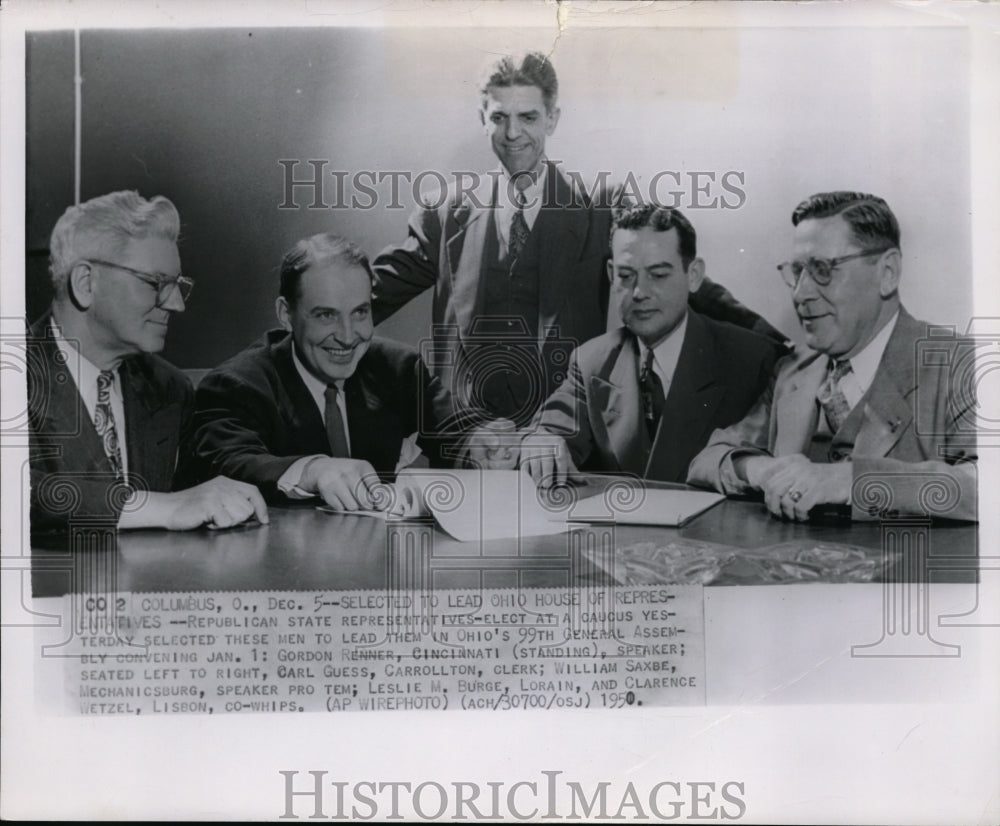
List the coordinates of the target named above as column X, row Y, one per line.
column 652, row 394
column 335, row 432
column 104, row 422
column 518, row 232
column 832, row 398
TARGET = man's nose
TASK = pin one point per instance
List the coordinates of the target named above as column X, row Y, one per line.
column 174, row 301
column 513, row 128
column 640, row 288
column 805, row 289
column 343, row 331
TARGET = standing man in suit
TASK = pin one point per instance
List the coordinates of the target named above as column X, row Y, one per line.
column 322, row 408
column 108, row 417
column 518, row 262
column 644, row 399
column 859, row 405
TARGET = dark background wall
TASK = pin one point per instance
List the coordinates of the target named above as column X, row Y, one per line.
column 204, row 116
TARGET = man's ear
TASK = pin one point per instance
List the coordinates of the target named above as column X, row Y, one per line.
column 552, row 120
column 611, row 271
column 696, row 275
column 890, row 270
column 80, row 285
column 283, row 312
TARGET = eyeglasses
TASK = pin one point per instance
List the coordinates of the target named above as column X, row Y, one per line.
column 161, row 283
column 820, row 269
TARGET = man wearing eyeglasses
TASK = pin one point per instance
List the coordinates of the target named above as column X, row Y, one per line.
column 849, row 408
column 109, row 418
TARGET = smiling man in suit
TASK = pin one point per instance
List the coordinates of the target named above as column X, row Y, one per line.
column 322, row 408
column 108, row 417
column 517, row 262
column 858, row 404
column 644, row 399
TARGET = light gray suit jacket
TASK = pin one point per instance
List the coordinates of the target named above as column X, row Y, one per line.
column 915, row 451
column 720, row 373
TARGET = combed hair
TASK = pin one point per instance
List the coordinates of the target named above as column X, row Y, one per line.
column 102, row 227
column 869, row 217
column 528, row 69
column 312, row 251
column 662, row 219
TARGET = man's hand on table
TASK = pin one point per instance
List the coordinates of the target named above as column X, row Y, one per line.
column 793, row 485
column 218, row 503
column 546, row 458
column 343, row 484
column 493, row 445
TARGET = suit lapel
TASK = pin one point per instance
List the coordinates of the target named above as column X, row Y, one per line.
column 617, row 403
column 795, row 406
column 374, row 428
column 888, row 410
column 150, row 423
column 306, row 417
column 562, row 224
column 65, row 414
column 690, row 405
column 465, row 241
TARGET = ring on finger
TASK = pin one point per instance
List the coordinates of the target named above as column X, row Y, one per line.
column 795, row 495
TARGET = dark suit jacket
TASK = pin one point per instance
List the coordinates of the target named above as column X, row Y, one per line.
column 255, row 415
column 721, row 371
column 70, row 473
column 444, row 249
column 915, row 450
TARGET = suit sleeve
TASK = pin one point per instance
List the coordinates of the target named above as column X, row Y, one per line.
column 717, row 302
column 564, row 413
column 944, row 484
column 713, row 466
column 403, row 272
column 230, row 434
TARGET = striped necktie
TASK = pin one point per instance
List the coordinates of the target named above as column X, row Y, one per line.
column 104, row 422
column 518, row 232
column 832, row 398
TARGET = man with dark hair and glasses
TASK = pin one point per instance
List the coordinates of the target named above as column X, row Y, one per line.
column 859, row 405
column 109, row 418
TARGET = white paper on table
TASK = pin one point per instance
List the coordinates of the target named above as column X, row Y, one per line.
column 668, row 508
column 474, row 505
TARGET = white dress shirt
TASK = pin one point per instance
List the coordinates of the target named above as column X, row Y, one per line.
column 505, row 207
column 666, row 354
column 289, row 481
column 865, row 364
column 84, row 373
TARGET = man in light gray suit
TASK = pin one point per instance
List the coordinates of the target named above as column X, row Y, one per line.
column 858, row 420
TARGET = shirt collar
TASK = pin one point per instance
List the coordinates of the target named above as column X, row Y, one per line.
column 83, row 371
column 532, row 193
column 667, row 352
column 316, row 388
column 865, row 363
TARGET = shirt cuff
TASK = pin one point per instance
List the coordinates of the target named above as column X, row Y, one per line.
column 733, row 483
column 288, row 484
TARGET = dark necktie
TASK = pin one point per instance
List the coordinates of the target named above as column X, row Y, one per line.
column 518, row 232
column 104, row 422
column 652, row 394
column 832, row 398
column 335, row 432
